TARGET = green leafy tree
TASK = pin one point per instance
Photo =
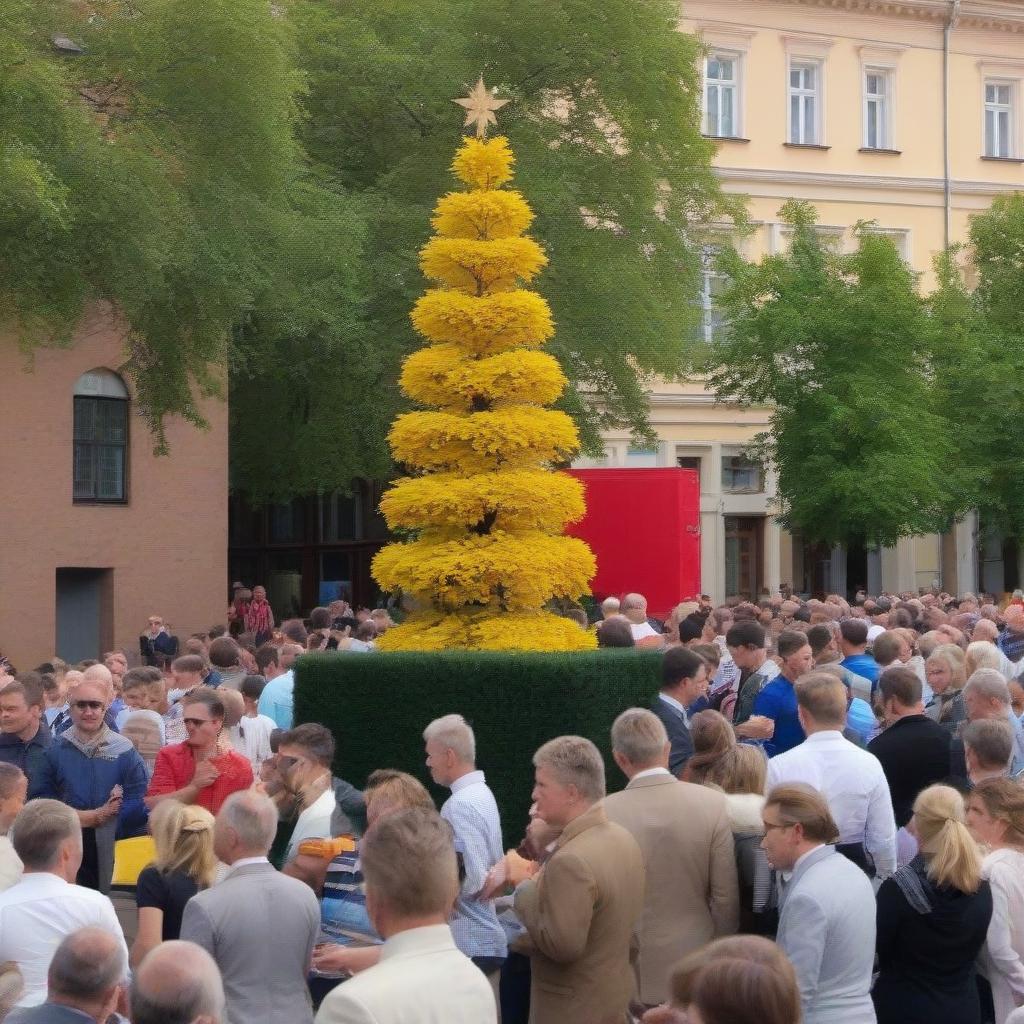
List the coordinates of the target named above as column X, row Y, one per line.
column 978, row 354
column 604, row 118
column 838, row 346
column 158, row 170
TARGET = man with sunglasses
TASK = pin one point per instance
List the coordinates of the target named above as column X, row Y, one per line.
column 203, row 770
column 99, row 774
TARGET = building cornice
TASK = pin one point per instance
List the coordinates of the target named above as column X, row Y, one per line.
column 1004, row 15
column 869, row 181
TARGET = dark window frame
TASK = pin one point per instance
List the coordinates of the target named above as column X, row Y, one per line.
column 94, row 446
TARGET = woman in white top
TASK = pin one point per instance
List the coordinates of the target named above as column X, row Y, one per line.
column 995, row 816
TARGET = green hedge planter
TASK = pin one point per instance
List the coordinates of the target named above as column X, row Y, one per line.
column 377, row 706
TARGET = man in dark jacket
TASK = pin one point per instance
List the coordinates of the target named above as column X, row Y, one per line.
column 684, row 679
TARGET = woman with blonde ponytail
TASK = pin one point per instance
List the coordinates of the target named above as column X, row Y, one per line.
column 933, row 916
column 185, row 863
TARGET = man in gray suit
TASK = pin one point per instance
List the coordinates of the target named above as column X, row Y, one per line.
column 257, row 924
column 827, row 908
column 85, row 981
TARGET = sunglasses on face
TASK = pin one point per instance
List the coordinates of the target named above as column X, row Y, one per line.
column 88, row 705
column 196, row 721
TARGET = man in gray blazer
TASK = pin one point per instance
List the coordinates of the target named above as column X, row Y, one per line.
column 257, row 924
column 827, row 908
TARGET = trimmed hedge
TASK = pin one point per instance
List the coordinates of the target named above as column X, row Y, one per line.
column 377, row 706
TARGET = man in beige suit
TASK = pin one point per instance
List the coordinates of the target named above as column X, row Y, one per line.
column 692, row 894
column 582, row 907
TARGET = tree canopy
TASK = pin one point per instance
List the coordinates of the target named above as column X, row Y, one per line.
column 604, row 118
column 839, row 345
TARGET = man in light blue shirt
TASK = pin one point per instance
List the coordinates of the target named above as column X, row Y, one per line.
column 278, row 698
column 472, row 812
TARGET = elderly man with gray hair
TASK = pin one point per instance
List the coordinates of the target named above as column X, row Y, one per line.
column 634, row 607
column 683, row 830
column 987, row 747
column 177, row 983
column 258, row 925
column 472, row 812
column 987, row 698
column 86, row 981
column 40, row 911
column 582, row 908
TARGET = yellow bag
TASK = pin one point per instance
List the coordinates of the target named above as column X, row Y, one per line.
column 130, row 857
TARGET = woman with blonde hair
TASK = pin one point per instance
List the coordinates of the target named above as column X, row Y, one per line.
column 184, row 864
column 995, row 816
column 933, row 916
column 982, row 654
column 946, row 671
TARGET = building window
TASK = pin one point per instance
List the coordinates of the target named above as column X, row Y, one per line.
column 712, row 287
column 999, row 119
column 805, row 102
column 741, row 475
column 642, row 457
column 721, row 95
column 100, row 462
column 877, row 109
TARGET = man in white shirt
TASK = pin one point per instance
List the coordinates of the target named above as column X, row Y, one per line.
column 634, row 607
column 411, row 878
column 13, row 788
column 305, row 754
column 43, row 908
column 251, row 736
column 850, row 779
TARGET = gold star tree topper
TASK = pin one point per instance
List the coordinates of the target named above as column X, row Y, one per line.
column 480, row 104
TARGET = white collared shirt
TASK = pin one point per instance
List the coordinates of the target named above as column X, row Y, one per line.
column 37, row 914
column 651, row 771
column 853, row 783
column 242, row 863
column 787, row 876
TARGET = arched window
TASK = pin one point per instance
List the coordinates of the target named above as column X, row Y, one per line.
column 101, row 438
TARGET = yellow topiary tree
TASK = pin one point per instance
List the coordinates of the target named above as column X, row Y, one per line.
column 486, row 507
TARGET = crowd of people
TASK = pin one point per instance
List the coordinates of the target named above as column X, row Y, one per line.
column 822, row 821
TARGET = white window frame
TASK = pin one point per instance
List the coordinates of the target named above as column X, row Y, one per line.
column 816, row 135
column 708, row 275
column 885, row 100
column 736, row 85
column 1010, row 109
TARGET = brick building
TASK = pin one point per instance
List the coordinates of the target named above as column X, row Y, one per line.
column 96, row 532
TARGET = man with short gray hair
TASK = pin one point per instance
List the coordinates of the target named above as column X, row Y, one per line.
column 86, row 981
column 177, row 983
column 582, row 907
column 259, row 925
column 692, row 893
column 634, row 607
column 987, row 697
column 41, row 910
column 472, row 812
column 987, row 749
column 411, row 880
column 609, row 606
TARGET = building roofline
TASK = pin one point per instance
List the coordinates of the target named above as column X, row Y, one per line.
column 1006, row 15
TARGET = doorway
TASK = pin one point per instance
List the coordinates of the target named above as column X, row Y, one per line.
column 83, row 613
column 744, row 556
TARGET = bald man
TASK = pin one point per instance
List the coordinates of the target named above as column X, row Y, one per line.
column 177, row 981
column 85, row 981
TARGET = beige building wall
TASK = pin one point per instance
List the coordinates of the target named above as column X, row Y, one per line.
column 901, row 185
column 165, row 549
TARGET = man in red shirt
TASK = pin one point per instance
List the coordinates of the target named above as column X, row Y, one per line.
column 199, row 771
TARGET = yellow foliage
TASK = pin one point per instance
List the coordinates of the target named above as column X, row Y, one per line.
column 485, row 323
column 487, row 630
column 442, row 375
column 519, row 499
column 482, row 215
column 481, row 266
column 519, row 435
column 484, row 163
column 520, row 570
column 489, row 510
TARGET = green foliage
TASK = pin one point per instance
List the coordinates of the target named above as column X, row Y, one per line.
column 979, row 362
column 377, row 707
column 839, row 346
column 158, row 171
column 604, row 117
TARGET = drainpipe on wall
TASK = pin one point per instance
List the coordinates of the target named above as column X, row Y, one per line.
column 947, row 31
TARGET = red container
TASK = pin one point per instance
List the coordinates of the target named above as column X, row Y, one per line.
column 643, row 526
